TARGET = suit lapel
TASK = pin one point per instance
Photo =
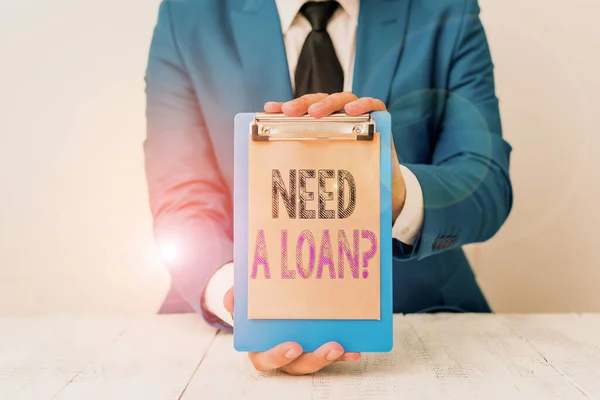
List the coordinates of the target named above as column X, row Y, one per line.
column 257, row 34
column 381, row 32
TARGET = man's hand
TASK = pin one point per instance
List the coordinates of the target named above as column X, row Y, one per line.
column 289, row 358
column 321, row 105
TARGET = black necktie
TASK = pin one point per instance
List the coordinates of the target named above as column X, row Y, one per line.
column 319, row 69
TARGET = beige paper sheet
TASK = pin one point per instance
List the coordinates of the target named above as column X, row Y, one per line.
column 294, row 293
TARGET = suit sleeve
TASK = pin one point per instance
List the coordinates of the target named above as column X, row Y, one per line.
column 467, row 192
column 190, row 205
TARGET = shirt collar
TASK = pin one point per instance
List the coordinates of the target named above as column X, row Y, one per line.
column 289, row 9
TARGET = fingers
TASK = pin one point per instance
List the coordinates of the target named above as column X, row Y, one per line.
column 313, row 362
column 288, row 357
column 299, row 106
column 350, row 357
column 228, row 301
column 330, row 104
column 364, row 105
column 319, row 105
column 277, row 357
column 273, row 107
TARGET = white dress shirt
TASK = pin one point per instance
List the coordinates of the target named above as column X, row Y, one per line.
column 342, row 29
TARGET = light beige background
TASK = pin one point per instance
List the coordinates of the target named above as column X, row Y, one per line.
column 74, row 222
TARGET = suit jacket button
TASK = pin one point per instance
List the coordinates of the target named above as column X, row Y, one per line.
column 438, row 244
column 445, row 243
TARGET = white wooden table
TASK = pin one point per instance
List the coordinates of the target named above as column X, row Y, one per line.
column 178, row 357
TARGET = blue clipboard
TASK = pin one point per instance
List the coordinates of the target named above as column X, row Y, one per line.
column 252, row 335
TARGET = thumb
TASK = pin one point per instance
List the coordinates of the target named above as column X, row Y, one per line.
column 228, row 301
column 396, row 171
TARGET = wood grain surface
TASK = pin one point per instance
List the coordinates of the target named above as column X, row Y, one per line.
column 179, row 357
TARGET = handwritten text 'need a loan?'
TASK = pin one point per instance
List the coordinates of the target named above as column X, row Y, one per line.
column 300, row 204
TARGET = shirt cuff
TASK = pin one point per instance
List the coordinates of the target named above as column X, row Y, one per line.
column 407, row 226
column 406, row 229
column 217, row 286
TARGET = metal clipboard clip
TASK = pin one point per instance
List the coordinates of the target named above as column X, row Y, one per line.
column 338, row 126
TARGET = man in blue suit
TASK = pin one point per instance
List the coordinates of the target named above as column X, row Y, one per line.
column 426, row 61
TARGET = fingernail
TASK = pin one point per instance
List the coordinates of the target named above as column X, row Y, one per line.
column 352, row 104
column 292, row 353
column 333, row 355
column 293, row 103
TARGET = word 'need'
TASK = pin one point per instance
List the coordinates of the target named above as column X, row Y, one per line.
column 296, row 196
column 325, row 261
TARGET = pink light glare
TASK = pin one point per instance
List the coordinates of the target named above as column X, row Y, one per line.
column 170, row 251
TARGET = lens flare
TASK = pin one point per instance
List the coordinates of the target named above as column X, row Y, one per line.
column 170, row 252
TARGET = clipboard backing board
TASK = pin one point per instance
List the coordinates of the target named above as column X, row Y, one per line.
column 310, row 269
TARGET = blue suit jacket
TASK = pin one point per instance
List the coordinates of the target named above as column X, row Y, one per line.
column 428, row 60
